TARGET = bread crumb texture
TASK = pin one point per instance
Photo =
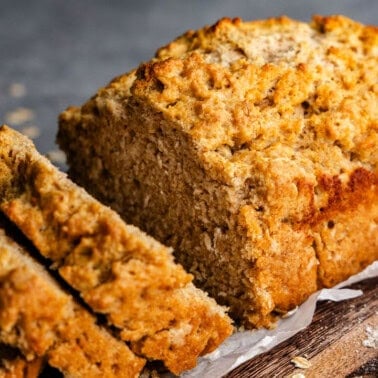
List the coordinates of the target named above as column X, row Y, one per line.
column 252, row 149
column 119, row 271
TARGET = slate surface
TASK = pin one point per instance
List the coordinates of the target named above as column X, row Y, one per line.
column 62, row 51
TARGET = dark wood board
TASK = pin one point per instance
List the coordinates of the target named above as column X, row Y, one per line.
column 333, row 343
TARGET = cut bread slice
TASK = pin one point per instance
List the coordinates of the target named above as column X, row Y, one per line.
column 118, row 270
column 41, row 320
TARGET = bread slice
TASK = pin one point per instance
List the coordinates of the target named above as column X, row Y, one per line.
column 12, row 365
column 43, row 321
column 252, row 149
column 119, row 271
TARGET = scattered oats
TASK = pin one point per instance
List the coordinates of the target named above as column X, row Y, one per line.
column 298, row 375
column 372, row 338
column 31, row 132
column 301, row 362
column 17, row 90
column 56, row 156
column 19, row 116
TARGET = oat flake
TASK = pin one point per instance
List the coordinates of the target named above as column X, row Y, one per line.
column 31, row 132
column 17, row 90
column 372, row 337
column 19, row 116
column 56, row 156
column 301, row 362
column 298, row 375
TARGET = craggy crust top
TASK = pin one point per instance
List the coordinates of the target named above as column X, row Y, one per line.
column 276, row 97
column 262, row 89
column 279, row 86
column 264, row 99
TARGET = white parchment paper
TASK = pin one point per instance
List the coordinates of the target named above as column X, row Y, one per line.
column 242, row 346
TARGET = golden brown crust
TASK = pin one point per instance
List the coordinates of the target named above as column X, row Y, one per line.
column 267, row 134
column 41, row 320
column 118, row 270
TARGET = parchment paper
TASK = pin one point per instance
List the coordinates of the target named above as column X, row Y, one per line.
column 242, row 346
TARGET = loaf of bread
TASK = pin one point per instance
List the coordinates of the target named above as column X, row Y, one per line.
column 249, row 147
column 118, row 270
column 41, row 320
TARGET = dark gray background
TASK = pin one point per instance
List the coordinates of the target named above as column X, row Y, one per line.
column 62, row 51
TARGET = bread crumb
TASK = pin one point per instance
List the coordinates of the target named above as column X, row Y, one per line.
column 372, row 338
column 17, row 90
column 31, row 132
column 56, row 156
column 19, row 116
column 301, row 362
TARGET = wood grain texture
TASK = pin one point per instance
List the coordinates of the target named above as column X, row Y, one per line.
column 332, row 343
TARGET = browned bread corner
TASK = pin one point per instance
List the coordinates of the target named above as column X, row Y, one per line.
column 252, row 149
column 118, row 270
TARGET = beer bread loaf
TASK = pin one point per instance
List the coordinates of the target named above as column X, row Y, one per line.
column 249, row 147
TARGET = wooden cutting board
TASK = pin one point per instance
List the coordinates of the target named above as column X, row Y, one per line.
column 335, row 344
